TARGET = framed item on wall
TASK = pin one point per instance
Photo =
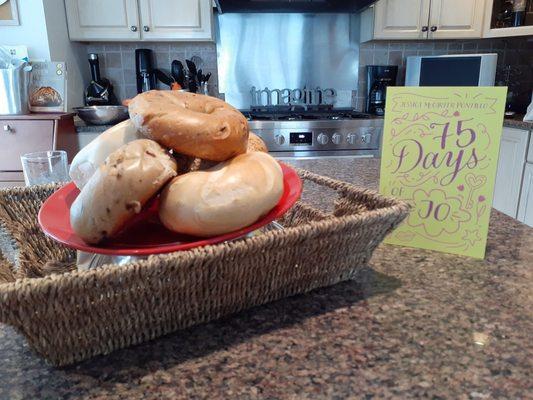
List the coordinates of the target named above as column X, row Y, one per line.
column 8, row 12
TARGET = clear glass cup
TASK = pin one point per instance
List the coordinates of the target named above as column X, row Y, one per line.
column 45, row 167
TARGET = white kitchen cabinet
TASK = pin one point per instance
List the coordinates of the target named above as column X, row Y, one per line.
column 423, row 19
column 525, row 211
column 103, row 19
column 513, row 149
column 490, row 32
column 122, row 20
column 401, row 19
column 456, row 19
column 176, row 19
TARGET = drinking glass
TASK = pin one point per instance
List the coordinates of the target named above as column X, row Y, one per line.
column 45, row 167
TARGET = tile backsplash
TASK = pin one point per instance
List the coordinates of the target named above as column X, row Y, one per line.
column 117, row 61
column 516, row 52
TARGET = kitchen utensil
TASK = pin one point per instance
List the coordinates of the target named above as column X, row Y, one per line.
column 178, row 72
column 44, row 167
column 54, row 219
column 102, row 115
column 100, row 90
column 207, row 76
column 163, row 77
column 192, row 67
column 192, row 76
column 198, row 61
column 200, row 76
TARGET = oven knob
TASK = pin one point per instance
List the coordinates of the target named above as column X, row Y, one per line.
column 322, row 138
column 280, row 139
column 352, row 138
column 336, row 138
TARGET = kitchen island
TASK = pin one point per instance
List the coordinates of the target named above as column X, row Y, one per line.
column 417, row 324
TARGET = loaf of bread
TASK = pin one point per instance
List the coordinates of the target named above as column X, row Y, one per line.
column 225, row 198
column 192, row 124
column 119, row 188
column 88, row 159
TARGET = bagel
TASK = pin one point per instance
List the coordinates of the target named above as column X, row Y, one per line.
column 88, row 159
column 227, row 197
column 193, row 124
column 120, row 188
column 255, row 143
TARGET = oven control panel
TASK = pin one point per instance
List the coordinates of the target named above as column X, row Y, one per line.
column 357, row 138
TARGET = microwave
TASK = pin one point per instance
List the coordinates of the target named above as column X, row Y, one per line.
column 451, row 70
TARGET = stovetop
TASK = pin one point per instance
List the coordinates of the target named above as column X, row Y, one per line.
column 288, row 114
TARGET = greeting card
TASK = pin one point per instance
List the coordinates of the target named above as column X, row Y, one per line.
column 440, row 154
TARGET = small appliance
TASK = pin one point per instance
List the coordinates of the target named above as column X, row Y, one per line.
column 144, row 68
column 451, row 70
column 378, row 78
column 100, row 91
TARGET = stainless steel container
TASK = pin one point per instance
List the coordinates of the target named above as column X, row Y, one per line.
column 14, row 90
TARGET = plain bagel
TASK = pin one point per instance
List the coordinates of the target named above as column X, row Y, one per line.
column 192, row 124
column 230, row 196
column 119, row 189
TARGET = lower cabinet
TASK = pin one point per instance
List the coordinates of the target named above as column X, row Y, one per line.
column 513, row 150
column 21, row 134
column 525, row 211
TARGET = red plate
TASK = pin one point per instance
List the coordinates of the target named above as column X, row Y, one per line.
column 145, row 234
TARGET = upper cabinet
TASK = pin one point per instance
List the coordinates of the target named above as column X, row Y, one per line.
column 109, row 20
column 423, row 19
column 456, row 19
column 102, row 19
column 504, row 19
column 401, row 19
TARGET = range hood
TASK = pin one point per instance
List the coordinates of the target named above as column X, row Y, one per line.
column 287, row 6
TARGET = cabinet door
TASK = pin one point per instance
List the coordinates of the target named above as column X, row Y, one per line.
column 103, row 19
column 401, row 19
column 513, row 149
column 525, row 212
column 176, row 19
column 456, row 19
column 20, row 137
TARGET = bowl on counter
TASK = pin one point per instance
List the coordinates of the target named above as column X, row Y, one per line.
column 102, row 115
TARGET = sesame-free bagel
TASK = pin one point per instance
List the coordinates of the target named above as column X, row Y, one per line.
column 192, row 124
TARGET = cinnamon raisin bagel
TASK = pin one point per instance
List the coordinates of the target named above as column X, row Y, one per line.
column 192, row 124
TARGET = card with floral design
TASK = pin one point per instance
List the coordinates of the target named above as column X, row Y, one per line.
column 440, row 154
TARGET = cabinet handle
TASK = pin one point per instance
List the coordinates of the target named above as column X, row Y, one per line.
column 146, row 28
column 424, row 29
column 433, row 28
column 7, row 128
column 133, row 28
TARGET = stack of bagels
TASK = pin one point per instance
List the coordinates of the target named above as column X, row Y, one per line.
column 213, row 175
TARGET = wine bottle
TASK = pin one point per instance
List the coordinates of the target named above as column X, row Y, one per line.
column 519, row 12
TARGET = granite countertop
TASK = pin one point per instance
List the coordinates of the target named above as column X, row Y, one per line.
column 419, row 324
column 518, row 122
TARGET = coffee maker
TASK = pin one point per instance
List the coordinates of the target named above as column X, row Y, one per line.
column 378, row 78
column 144, row 68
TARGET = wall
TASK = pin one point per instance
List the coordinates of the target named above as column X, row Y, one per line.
column 117, row 61
column 62, row 49
column 516, row 52
column 31, row 31
column 43, row 28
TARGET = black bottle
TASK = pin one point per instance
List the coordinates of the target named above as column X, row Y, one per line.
column 100, row 91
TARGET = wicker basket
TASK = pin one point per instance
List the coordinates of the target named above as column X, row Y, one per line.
column 74, row 315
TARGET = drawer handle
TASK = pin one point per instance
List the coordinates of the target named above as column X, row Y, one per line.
column 8, row 128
